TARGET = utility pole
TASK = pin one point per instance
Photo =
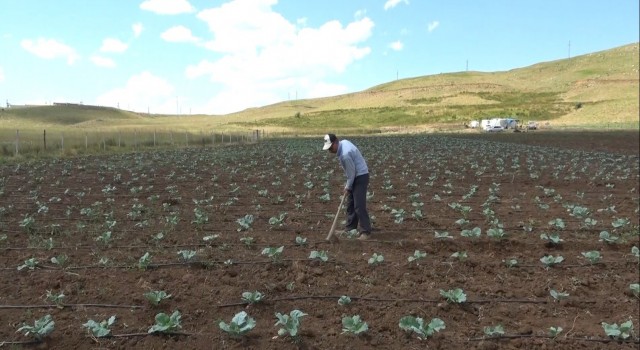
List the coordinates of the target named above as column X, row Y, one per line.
column 569, row 48
column 396, row 74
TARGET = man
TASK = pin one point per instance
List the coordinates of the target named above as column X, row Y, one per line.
column 357, row 174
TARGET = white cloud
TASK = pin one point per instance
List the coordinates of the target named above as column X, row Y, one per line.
column 137, row 29
column 179, row 34
column 143, row 92
column 113, row 45
column 393, row 3
column 50, row 49
column 396, row 45
column 167, row 7
column 1, row 75
column 263, row 51
column 432, row 26
column 102, row 61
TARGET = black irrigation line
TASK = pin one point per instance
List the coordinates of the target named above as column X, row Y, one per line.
column 63, row 306
column 110, row 336
column 206, row 264
column 399, row 300
column 518, row 336
column 491, row 338
column 26, row 342
column 202, row 264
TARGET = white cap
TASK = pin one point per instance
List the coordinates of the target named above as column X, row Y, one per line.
column 329, row 139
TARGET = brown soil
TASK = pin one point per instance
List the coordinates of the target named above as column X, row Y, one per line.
column 515, row 181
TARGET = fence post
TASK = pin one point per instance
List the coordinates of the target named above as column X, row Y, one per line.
column 44, row 139
column 17, row 142
column 86, row 141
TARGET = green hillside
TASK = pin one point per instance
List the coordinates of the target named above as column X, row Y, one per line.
column 593, row 90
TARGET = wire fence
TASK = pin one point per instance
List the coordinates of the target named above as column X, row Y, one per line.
column 48, row 142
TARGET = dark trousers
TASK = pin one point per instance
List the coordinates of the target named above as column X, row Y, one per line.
column 357, row 205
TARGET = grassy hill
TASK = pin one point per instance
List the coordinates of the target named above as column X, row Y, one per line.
column 588, row 91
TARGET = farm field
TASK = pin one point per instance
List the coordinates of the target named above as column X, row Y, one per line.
column 496, row 240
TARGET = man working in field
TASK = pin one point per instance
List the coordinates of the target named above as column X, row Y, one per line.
column 355, row 190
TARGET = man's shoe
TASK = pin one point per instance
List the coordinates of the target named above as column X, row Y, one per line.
column 364, row 236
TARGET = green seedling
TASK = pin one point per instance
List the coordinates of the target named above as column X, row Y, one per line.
column 344, row 300
column 55, row 298
column 210, row 238
column 277, row 221
column 462, row 222
column 557, row 223
column 245, row 222
column 30, row 264
column 456, row 296
column 444, row 234
column 252, row 297
column 104, row 238
column 417, row 255
column 240, row 325
column 635, row 289
column 290, row 324
column 40, row 329
column 318, row 255
column 554, row 331
column 301, row 241
column 495, row 331
column 186, row 255
column 60, row 260
column 558, row 295
column 248, row 241
column 636, row 252
column 416, row 325
column 512, row 262
column 496, row 233
column 553, row 238
column 100, row 329
column 398, row 215
column 354, row 325
column 608, row 238
column 144, row 261
column 461, row 256
column 620, row 222
column 472, row 233
column 620, row 332
column 156, row 296
column 593, row 256
column 201, row 217
column 275, row 254
column 376, row 259
column 550, row 260
column 166, row 323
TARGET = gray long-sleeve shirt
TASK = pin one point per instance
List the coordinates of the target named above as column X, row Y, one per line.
column 352, row 162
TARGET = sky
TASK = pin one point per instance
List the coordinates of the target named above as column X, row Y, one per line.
column 222, row 56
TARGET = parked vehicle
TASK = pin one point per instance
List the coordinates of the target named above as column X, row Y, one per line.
column 532, row 125
column 495, row 128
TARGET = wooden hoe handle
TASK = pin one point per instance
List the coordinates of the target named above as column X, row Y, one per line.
column 335, row 219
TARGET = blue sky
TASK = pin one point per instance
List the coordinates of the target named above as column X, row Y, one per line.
column 217, row 57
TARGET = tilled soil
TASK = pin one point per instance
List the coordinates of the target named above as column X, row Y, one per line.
column 156, row 203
